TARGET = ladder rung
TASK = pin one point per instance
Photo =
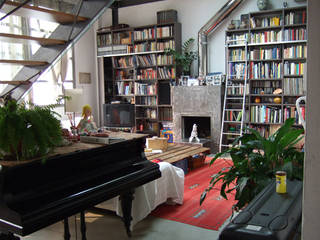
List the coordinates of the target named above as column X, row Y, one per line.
column 233, row 109
column 233, row 122
column 229, row 133
column 224, row 145
column 235, row 86
column 234, row 98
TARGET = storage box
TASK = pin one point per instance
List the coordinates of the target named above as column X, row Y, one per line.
column 157, row 144
column 196, row 161
column 167, row 16
column 168, row 134
column 183, row 164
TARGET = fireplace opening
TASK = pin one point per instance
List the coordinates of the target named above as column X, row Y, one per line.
column 203, row 125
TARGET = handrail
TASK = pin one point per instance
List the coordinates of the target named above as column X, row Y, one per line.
column 75, row 19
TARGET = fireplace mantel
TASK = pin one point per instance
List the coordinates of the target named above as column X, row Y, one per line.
column 201, row 101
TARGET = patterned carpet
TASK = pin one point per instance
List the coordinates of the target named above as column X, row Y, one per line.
column 214, row 210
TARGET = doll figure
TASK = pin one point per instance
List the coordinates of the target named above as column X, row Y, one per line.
column 86, row 124
column 194, row 134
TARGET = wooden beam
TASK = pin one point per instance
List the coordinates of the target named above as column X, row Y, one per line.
column 24, row 62
column 15, row 38
column 15, row 82
column 41, row 13
column 129, row 3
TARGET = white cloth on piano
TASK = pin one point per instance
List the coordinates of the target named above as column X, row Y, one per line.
column 170, row 186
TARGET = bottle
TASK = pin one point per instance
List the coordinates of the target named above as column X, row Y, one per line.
column 281, row 182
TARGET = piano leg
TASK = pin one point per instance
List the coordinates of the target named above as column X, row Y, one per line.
column 126, row 205
column 83, row 225
column 8, row 236
column 66, row 229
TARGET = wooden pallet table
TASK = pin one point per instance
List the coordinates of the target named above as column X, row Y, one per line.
column 181, row 155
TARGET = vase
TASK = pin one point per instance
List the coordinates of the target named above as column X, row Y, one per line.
column 262, row 4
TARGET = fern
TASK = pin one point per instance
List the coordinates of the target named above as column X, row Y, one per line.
column 28, row 131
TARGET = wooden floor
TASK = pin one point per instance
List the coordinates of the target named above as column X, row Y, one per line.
column 178, row 152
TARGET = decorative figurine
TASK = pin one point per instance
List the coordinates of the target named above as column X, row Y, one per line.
column 194, row 134
column 87, row 125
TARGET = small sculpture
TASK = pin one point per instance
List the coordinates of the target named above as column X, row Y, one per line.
column 194, row 134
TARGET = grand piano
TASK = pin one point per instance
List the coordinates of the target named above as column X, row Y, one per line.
column 41, row 192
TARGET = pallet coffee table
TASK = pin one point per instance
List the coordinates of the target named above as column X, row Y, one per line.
column 183, row 156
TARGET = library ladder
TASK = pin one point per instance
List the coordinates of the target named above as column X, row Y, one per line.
column 235, row 92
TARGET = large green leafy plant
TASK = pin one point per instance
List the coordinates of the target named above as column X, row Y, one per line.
column 27, row 131
column 255, row 162
column 185, row 57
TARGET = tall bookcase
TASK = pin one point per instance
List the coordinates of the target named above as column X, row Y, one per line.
column 276, row 53
column 142, row 73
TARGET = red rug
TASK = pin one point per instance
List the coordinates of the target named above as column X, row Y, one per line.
column 214, row 210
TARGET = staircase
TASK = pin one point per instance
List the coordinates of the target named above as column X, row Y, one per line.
column 73, row 17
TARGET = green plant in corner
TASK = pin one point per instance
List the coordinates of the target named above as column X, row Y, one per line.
column 185, row 57
column 255, row 162
column 27, row 131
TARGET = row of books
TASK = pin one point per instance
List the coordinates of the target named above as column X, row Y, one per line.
column 125, row 88
column 236, row 70
column 233, row 115
column 145, row 34
column 264, row 131
column 148, row 101
column 266, row 37
column 265, row 70
column 237, row 54
column 165, row 114
column 299, row 51
column 295, row 18
column 264, row 114
column 237, row 89
column 239, row 38
column 166, row 31
column 144, row 89
column 165, row 60
column 265, row 53
column 293, row 86
column 292, row 68
column 143, row 112
column 124, row 62
column 266, row 22
column 104, row 39
column 124, row 74
column 145, row 47
column 264, row 87
column 295, row 34
column 166, row 73
column 291, row 112
column 147, row 74
column 166, row 44
column 147, row 60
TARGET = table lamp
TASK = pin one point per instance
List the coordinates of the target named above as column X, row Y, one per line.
column 73, row 104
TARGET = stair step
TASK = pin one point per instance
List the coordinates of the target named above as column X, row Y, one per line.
column 41, row 13
column 15, row 82
column 24, row 62
column 16, row 38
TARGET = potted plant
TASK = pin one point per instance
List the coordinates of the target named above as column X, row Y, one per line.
column 184, row 58
column 27, row 131
column 255, row 162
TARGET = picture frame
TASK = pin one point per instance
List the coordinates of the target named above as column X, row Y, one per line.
column 183, row 81
column 193, row 82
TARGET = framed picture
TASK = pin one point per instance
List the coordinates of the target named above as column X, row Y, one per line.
column 193, row 82
column 184, row 81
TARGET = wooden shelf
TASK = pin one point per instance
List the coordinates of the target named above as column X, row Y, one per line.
column 15, row 38
column 42, row 13
column 24, row 62
column 15, row 82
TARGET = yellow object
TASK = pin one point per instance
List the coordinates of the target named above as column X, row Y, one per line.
column 85, row 109
column 281, row 182
column 157, row 143
column 277, row 100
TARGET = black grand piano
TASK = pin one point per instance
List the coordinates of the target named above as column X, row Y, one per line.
column 39, row 193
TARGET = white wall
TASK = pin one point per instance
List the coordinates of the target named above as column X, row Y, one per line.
column 85, row 61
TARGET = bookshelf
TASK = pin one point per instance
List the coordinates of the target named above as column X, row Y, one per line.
column 276, row 55
column 142, row 74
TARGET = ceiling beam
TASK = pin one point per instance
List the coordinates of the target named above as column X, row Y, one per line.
column 129, row 3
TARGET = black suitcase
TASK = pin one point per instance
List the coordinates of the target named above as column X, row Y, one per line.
column 269, row 215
